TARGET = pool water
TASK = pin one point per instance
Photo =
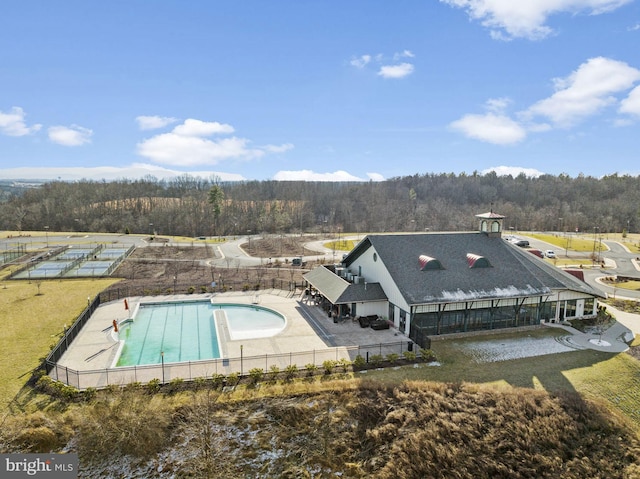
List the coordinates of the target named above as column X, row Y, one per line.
column 186, row 331
column 182, row 331
column 251, row 321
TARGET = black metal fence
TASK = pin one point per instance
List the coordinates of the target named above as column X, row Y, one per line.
column 168, row 288
column 189, row 371
column 165, row 372
column 71, row 333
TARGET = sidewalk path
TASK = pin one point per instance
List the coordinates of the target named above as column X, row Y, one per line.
column 615, row 339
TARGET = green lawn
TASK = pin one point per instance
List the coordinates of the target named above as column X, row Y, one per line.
column 578, row 243
column 32, row 323
column 341, row 245
column 632, row 285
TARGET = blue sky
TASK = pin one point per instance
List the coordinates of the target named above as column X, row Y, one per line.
column 318, row 90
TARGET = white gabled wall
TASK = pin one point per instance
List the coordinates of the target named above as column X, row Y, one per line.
column 375, row 271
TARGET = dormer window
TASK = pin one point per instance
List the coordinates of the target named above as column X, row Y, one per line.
column 427, row 262
column 477, row 261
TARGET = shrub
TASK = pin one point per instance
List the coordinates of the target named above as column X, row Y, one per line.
column 113, row 388
column 376, row 359
column 255, row 375
column 328, row 366
column 290, row 372
column 274, row 370
column 392, row 357
column 133, row 386
column 153, row 386
column 217, row 379
column 409, row 355
column 359, row 361
column 233, row 379
column 90, row 394
column 176, row 384
column 428, row 355
column 191, row 290
column 199, row 382
column 344, row 363
column 311, row 369
column 57, row 389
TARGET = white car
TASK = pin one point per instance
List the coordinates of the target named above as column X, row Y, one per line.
column 550, row 254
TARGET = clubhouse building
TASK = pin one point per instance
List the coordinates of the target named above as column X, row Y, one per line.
column 430, row 284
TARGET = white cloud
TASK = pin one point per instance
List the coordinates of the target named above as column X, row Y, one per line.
column 375, row 177
column 154, row 122
column 631, row 104
column 491, row 128
column 278, row 148
column 497, row 105
column 586, row 91
column 403, row 54
column 526, row 18
column 73, row 135
column 361, row 61
column 13, row 124
column 396, row 71
column 136, row 170
column 174, row 149
column 513, row 171
column 309, row 175
column 187, row 145
column 192, row 127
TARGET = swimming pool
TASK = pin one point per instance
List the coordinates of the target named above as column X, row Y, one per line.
column 187, row 331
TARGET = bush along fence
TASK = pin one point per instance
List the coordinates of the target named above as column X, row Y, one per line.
column 356, row 357
column 302, row 363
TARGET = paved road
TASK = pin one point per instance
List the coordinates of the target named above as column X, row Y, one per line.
column 230, row 253
column 618, row 261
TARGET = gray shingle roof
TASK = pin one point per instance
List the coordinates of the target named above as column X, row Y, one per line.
column 513, row 272
column 339, row 291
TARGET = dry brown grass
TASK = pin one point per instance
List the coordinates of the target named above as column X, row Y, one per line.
column 409, row 430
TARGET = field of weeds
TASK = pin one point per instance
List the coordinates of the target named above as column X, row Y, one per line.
column 410, row 430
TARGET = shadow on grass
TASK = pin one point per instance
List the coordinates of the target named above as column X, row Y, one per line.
column 539, row 372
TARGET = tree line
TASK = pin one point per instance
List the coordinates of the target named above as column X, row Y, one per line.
column 194, row 206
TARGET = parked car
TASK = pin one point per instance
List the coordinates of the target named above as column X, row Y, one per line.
column 537, row 252
column 522, row 243
column 550, row 254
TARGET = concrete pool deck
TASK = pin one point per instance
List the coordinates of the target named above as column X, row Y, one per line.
column 308, row 329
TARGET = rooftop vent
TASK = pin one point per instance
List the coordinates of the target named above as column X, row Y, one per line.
column 477, row 261
column 427, row 262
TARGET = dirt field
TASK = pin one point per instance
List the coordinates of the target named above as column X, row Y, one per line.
column 161, row 268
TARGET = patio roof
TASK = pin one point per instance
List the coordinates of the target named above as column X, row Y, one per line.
column 340, row 291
